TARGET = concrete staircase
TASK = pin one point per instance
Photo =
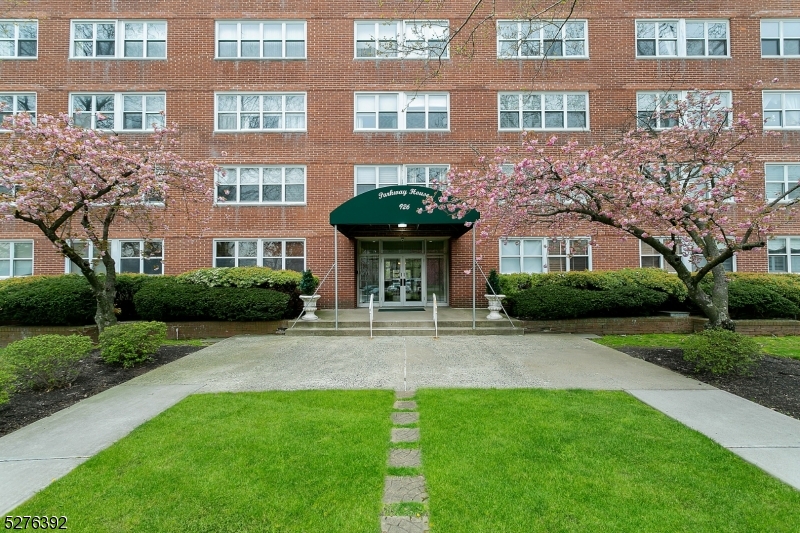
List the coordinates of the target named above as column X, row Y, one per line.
column 355, row 322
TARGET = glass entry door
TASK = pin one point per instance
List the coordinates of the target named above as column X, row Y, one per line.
column 403, row 281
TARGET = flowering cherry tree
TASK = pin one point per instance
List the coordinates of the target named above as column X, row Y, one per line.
column 687, row 191
column 74, row 184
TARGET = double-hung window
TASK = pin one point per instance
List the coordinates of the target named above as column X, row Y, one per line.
column 524, row 39
column 566, row 255
column 659, row 110
column 131, row 256
column 781, row 109
column 260, row 112
column 88, row 252
column 261, row 185
column 682, row 38
column 277, row 254
column 402, row 111
column 118, row 39
column 783, row 254
column 534, row 255
column 369, row 177
column 129, row 112
column 781, row 178
column 19, row 39
column 14, row 103
column 402, row 39
column 16, row 258
column 543, row 111
column 267, row 39
column 650, row 258
column 780, row 38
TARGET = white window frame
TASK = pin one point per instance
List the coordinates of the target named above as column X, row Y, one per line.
column 694, row 263
column 787, row 255
column 542, row 97
column 781, row 38
column 786, row 182
column 681, row 38
column 90, row 254
column 261, row 40
column 401, row 173
column 261, row 258
column 405, row 103
column 568, row 255
column 120, row 38
column 546, row 252
column 116, row 253
column 236, row 178
column 663, row 108
column 505, row 258
column 117, row 115
column 239, row 112
column 15, row 38
column 13, row 259
column 388, row 43
column 14, row 109
column 520, row 48
column 782, row 111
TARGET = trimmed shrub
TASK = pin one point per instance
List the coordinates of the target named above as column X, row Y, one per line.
column 720, row 351
column 553, row 302
column 47, row 301
column 748, row 300
column 7, row 380
column 308, row 283
column 166, row 299
column 493, row 283
column 127, row 287
column 47, row 361
column 132, row 343
column 244, row 277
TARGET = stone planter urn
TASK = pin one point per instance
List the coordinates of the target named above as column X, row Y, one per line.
column 494, row 306
column 310, row 306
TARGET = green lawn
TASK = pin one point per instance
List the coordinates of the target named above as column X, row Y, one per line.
column 776, row 346
column 551, row 461
column 308, row 461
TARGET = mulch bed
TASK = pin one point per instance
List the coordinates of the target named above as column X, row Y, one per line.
column 775, row 383
column 95, row 377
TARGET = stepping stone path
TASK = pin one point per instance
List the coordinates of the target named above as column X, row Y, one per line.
column 405, row 489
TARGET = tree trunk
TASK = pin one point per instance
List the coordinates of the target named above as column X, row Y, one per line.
column 105, row 292
column 715, row 305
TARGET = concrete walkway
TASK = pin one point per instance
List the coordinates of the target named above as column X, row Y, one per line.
column 34, row 456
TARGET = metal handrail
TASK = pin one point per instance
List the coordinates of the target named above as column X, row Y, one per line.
column 435, row 318
column 315, row 293
column 500, row 302
column 371, row 312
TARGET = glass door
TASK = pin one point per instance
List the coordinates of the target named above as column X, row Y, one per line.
column 403, row 282
column 393, row 289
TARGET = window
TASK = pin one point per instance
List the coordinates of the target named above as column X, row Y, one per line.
column 781, row 178
column 13, row 103
column 276, row 254
column 780, row 38
column 682, row 38
column 118, row 39
column 402, row 111
column 650, row 258
column 369, row 177
column 534, row 39
column 533, row 255
column 261, row 112
column 88, row 252
column 16, row 258
column 119, row 111
column 783, row 254
column 659, row 110
column 781, row 109
column 261, row 40
column 19, row 39
column 543, row 111
column 403, row 39
column 261, row 185
column 140, row 257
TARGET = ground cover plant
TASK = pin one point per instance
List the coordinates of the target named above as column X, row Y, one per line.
column 308, row 461
column 788, row 346
column 534, row 460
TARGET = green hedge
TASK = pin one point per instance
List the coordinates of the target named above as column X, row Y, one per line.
column 47, row 301
column 554, row 302
column 244, row 277
column 598, row 280
column 169, row 300
column 131, row 343
column 46, row 362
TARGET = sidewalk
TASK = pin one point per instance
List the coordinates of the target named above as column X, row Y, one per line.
column 34, row 456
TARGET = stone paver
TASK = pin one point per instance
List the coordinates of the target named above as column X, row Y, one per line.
column 405, row 418
column 405, row 405
column 404, row 394
column 399, row 489
column 404, row 524
column 405, row 434
column 400, row 458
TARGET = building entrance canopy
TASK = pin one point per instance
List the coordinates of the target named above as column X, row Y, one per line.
column 388, row 208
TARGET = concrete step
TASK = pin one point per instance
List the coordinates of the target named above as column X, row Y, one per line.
column 411, row 324
column 400, row 332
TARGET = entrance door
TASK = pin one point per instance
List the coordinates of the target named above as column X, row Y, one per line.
column 403, row 281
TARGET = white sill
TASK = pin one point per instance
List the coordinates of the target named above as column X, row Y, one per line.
column 362, row 58
column 401, row 131
column 781, row 57
column 20, row 58
column 260, row 204
column 542, row 58
column 260, row 131
column 534, row 130
column 115, row 58
column 260, row 58
column 665, row 58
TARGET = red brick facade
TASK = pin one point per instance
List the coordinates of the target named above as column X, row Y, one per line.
column 329, row 148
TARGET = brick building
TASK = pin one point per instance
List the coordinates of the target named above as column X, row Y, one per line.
column 309, row 104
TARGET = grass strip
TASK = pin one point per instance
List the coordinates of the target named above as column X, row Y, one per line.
column 307, row 461
column 561, row 461
column 776, row 346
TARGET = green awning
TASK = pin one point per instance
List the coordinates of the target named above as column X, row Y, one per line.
column 386, row 207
